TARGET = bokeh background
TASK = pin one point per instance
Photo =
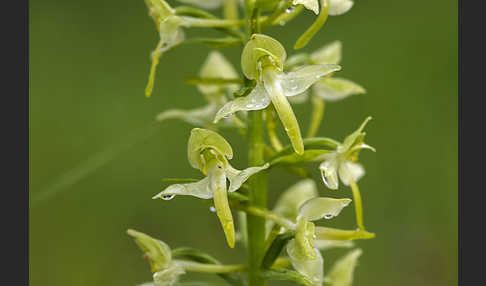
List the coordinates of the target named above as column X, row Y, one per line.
column 96, row 157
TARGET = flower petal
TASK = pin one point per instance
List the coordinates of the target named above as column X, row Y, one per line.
column 312, row 5
column 198, row 189
column 290, row 201
column 202, row 139
column 328, row 54
column 171, row 32
column 333, row 89
column 328, row 244
column 157, row 252
column 317, row 208
column 351, row 139
column 329, row 169
column 341, row 273
column 339, row 7
column 350, row 171
column 217, row 66
column 312, row 269
column 298, row 81
column 304, row 240
column 299, row 98
column 169, row 276
column 199, row 116
column 237, row 177
column 159, row 10
column 257, row 99
column 258, row 46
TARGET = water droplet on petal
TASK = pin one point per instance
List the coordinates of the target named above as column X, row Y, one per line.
column 168, row 197
column 324, row 179
column 290, row 9
column 212, row 209
column 328, row 216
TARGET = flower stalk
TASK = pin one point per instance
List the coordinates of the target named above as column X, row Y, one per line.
column 284, row 242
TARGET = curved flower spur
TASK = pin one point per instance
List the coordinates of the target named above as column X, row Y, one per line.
column 262, row 60
column 209, row 152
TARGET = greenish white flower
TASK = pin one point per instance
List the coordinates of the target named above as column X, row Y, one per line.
column 262, row 60
column 215, row 66
column 209, row 152
column 341, row 164
column 300, row 204
column 304, row 255
column 341, row 273
column 158, row 253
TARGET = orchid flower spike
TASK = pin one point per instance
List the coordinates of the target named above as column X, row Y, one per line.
column 262, row 60
column 342, row 162
column 170, row 25
column 215, row 66
column 209, row 152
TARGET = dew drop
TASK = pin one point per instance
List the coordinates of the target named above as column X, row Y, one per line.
column 168, row 197
column 212, row 209
column 290, row 9
column 328, row 216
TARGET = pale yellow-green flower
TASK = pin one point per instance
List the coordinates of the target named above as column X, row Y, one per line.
column 342, row 162
column 209, row 152
column 262, row 60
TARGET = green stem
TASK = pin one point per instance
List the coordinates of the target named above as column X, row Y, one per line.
column 211, row 23
column 230, row 9
column 209, row 268
column 213, row 81
column 264, row 213
column 315, row 27
column 258, row 198
column 318, row 106
column 277, row 13
column 358, row 205
column 272, row 129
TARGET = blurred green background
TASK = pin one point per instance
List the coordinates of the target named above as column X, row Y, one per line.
column 96, row 158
